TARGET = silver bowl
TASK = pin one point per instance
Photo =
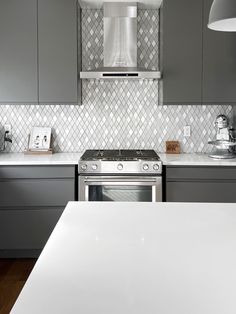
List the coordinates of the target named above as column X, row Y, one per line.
column 219, row 144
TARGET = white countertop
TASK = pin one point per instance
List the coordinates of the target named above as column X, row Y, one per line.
column 196, row 159
column 19, row 159
column 136, row 258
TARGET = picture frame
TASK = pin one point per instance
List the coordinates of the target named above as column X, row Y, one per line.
column 40, row 139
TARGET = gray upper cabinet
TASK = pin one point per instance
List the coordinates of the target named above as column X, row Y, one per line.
column 57, row 48
column 18, row 51
column 199, row 65
column 219, row 63
column 182, row 51
column 38, row 51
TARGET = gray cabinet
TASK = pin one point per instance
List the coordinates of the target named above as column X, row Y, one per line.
column 26, row 229
column 201, row 184
column 219, row 63
column 39, row 51
column 32, row 199
column 36, row 192
column 57, row 51
column 182, row 51
column 199, row 65
column 18, row 51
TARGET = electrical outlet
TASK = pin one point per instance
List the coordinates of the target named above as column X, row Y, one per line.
column 7, row 128
column 187, row 131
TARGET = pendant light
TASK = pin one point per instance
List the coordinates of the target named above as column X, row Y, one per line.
column 223, row 16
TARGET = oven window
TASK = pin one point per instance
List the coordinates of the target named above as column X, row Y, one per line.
column 120, row 194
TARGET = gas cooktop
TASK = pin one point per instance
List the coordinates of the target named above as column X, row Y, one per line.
column 120, row 155
column 126, row 161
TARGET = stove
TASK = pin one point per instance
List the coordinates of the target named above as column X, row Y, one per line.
column 120, row 162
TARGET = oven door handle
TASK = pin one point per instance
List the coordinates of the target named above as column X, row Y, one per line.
column 118, row 182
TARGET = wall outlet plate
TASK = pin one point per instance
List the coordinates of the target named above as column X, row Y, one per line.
column 187, row 131
column 7, row 128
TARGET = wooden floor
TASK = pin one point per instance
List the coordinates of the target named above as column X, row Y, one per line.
column 13, row 275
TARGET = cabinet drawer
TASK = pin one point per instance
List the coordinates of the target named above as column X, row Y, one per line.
column 27, row 229
column 36, row 192
column 27, row 172
column 200, row 173
column 209, row 192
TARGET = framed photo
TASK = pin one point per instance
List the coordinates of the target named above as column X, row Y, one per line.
column 40, row 139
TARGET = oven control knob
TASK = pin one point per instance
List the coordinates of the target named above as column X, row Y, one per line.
column 84, row 167
column 156, row 167
column 94, row 167
column 145, row 167
column 120, row 167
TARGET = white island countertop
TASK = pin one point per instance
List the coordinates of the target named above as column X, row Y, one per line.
column 136, row 258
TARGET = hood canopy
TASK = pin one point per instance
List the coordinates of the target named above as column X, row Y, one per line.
column 120, row 45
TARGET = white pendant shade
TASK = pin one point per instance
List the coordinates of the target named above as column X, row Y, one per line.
column 223, row 16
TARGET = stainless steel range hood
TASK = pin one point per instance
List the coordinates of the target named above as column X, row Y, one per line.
column 120, row 45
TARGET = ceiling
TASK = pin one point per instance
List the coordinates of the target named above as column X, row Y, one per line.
column 142, row 4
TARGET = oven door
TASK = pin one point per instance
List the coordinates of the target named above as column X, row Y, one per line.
column 120, row 189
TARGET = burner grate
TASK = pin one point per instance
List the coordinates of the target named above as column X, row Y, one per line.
column 119, row 155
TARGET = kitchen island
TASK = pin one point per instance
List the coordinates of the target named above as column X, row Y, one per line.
column 136, row 258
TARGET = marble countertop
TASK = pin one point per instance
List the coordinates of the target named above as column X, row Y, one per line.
column 19, row 159
column 136, row 258
column 195, row 159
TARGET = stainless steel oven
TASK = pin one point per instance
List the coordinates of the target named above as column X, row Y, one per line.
column 120, row 188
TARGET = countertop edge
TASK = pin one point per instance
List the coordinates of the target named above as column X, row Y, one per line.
column 19, row 159
column 195, row 159
column 72, row 159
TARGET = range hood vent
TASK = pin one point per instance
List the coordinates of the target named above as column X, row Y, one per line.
column 120, row 45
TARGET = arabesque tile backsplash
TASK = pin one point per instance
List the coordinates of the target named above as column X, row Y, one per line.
column 116, row 114
column 115, row 124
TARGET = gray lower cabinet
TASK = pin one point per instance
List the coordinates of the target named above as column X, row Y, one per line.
column 182, row 51
column 201, row 184
column 24, row 232
column 32, row 199
column 18, row 51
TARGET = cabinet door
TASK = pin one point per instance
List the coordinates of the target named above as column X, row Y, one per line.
column 204, row 192
column 27, row 229
column 18, row 51
column 219, row 63
column 36, row 192
column 57, row 40
column 182, row 51
column 37, row 172
column 201, row 184
column 32, row 199
column 36, row 186
column 191, row 173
